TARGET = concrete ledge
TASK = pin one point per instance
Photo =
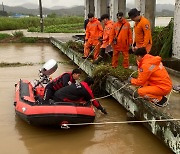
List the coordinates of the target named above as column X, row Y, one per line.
column 168, row 132
column 87, row 66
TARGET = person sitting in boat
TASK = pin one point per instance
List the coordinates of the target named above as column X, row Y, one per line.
column 152, row 77
column 78, row 92
column 63, row 80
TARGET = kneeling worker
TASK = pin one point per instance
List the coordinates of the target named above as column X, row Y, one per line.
column 61, row 81
column 78, row 92
column 153, row 78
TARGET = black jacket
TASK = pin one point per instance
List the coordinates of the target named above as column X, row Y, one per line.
column 77, row 92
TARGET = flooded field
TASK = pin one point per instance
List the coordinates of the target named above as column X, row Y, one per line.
column 16, row 136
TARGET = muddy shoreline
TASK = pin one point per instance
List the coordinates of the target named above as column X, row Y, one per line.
column 25, row 40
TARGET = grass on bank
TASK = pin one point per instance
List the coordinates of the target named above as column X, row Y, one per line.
column 18, row 64
column 4, row 36
column 18, row 37
column 162, row 40
column 103, row 71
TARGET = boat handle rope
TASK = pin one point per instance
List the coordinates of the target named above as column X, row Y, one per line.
column 67, row 126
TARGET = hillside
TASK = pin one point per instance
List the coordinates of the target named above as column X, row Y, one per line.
column 33, row 9
column 77, row 10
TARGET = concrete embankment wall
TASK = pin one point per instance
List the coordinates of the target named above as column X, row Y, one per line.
column 166, row 131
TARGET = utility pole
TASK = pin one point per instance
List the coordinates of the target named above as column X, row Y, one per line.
column 41, row 15
column 3, row 6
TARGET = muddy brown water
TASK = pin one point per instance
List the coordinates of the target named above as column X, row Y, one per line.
column 16, row 136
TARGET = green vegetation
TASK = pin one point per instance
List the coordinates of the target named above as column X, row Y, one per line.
column 18, row 34
column 162, row 40
column 4, row 36
column 76, row 46
column 63, row 28
column 18, row 37
column 51, row 25
column 3, row 64
column 102, row 71
column 18, row 64
column 28, row 39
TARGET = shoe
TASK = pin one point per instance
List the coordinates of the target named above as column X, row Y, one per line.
column 97, row 60
column 83, row 57
column 176, row 88
column 162, row 103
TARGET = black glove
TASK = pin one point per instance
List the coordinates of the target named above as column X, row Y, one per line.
column 103, row 110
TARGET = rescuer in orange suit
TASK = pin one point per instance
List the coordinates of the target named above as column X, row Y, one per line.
column 108, row 25
column 153, row 78
column 121, row 39
column 142, row 31
column 94, row 32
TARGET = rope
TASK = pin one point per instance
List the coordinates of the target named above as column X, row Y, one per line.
column 120, row 122
column 169, row 96
column 114, row 91
column 111, row 93
column 135, row 98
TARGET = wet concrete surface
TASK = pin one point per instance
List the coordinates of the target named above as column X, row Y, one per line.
column 16, row 136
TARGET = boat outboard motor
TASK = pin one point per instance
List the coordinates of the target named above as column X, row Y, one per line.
column 48, row 68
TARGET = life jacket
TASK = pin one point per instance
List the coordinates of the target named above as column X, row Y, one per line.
column 58, row 82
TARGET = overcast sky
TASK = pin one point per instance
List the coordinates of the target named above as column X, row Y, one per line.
column 68, row 3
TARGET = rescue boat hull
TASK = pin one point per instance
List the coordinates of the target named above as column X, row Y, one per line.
column 36, row 112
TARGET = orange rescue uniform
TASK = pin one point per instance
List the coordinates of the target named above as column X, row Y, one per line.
column 107, row 29
column 94, row 31
column 124, row 40
column 153, row 78
column 142, row 30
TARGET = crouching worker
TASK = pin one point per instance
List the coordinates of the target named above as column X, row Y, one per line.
column 61, row 81
column 153, row 78
column 78, row 92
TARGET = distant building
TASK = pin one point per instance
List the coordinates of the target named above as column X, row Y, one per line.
column 19, row 16
column 44, row 15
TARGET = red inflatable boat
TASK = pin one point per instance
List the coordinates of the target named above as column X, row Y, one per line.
column 29, row 107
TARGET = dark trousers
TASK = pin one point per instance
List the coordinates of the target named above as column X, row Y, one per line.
column 49, row 92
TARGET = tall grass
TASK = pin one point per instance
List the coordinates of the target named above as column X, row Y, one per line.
column 4, row 36
column 162, row 40
column 33, row 23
